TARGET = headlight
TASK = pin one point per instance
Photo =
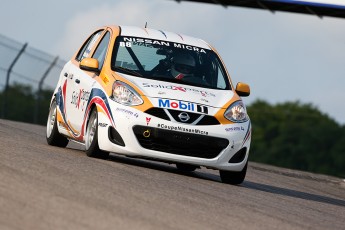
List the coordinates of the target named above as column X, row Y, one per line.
column 125, row 94
column 236, row 112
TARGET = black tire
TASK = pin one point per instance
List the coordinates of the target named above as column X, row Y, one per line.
column 52, row 135
column 233, row 178
column 91, row 137
column 186, row 167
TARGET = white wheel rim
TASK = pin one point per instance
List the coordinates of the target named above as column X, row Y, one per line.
column 51, row 119
column 91, row 130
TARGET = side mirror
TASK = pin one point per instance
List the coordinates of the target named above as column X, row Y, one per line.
column 89, row 64
column 242, row 89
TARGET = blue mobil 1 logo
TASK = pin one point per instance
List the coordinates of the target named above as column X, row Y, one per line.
column 182, row 105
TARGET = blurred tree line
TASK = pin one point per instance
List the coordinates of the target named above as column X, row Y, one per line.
column 291, row 134
column 25, row 104
column 296, row 135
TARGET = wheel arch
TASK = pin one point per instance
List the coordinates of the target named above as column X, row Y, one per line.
column 87, row 118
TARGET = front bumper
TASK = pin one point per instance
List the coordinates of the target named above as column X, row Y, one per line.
column 179, row 143
column 135, row 133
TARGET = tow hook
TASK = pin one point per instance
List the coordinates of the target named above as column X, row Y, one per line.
column 147, row 133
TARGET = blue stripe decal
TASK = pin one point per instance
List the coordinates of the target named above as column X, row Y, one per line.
column 99, row 93
column 163, row 34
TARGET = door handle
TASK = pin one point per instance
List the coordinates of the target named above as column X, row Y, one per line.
column 77, row 81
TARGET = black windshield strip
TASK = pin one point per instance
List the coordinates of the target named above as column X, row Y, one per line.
column 135, row 59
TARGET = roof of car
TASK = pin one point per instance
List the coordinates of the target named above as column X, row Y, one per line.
column 163, row 35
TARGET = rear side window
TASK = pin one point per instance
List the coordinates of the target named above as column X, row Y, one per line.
column 101, row 50
column 88, row 45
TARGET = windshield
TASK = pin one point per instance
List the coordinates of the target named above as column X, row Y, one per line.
column 169, row 61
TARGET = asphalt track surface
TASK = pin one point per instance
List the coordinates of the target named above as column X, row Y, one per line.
column 45, row 187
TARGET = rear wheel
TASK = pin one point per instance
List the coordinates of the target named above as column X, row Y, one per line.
column 53, row 136
column 91, row 137
column 186, row 167
column 234, row 178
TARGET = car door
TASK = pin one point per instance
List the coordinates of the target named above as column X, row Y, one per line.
column 85, row 81
column 78, row 85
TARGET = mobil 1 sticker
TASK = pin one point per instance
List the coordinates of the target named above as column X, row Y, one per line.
column 182, row 105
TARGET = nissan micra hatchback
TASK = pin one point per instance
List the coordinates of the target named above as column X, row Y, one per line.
column 153, row 94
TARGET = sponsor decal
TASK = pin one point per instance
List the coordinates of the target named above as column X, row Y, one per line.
column 189, row 106
column 102, row 124
column 204, row 100
column 234, row 129
column 179, row 88
column 97, row 97
column 128, row 112
column 127, row 42
column 81, row 96
column 182, row 129
column 148, row 119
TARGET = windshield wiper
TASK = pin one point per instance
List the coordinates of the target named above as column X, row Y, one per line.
column 128, row 71
column 168, row 79
column 181, row 81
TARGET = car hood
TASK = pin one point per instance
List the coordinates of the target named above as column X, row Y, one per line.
column 156, row 90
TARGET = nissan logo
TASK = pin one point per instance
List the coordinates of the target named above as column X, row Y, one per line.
column 184, row 117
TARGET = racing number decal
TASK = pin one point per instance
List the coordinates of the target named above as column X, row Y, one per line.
column 126, row 44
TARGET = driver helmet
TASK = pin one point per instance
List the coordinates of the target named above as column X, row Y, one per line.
column 183, row 65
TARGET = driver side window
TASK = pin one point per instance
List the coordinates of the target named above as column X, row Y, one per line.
column 101, row 50
column 88, row 45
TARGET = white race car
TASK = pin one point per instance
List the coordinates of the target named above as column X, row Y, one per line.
column 153, row 94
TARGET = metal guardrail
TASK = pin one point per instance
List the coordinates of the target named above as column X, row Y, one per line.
column 20, row 63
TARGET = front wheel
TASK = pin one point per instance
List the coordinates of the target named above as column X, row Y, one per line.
column 53, row 136
column 91, row 137
column 233, row 178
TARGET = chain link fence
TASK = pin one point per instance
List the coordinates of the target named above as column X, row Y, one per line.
column 33, row 69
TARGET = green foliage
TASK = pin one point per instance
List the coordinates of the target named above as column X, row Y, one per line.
column 296, row 135
column 26, row 105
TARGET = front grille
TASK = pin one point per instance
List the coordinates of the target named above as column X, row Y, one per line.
column 180, row 143
column 192, row 116
column 157, row 112
column 161, row 113
column 208, row 120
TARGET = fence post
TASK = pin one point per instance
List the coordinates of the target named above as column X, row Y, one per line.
column 4, row 105
column 40, row 84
